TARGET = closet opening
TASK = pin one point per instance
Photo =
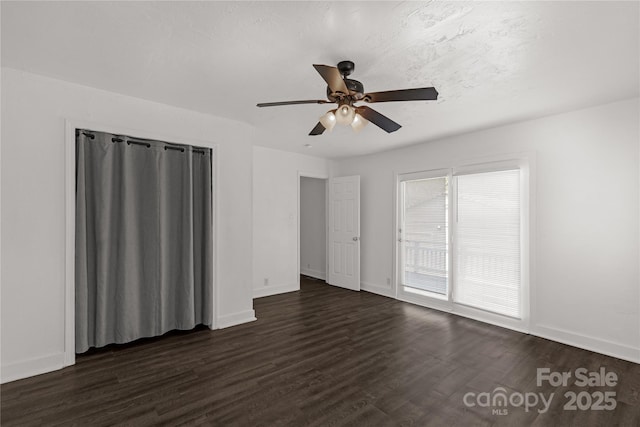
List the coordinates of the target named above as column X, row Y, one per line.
column 140, row 239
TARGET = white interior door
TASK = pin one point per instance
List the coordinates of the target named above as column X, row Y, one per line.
column 344, row 232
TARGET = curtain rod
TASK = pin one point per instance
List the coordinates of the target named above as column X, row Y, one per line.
column 142, row 141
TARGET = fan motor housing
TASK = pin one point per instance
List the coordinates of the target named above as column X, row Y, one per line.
column 354, row 85
column 356, row 90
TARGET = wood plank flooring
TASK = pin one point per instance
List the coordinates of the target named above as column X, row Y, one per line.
column 321, row 356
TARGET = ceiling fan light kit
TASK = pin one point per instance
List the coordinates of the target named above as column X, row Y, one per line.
column 346, row 92
column 328, row 120
column 344, row 115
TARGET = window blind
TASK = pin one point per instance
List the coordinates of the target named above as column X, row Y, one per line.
column 425, row 249
column 487, row 242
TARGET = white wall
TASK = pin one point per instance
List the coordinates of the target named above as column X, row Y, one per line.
column 34, row 110
column 275, row 217
column 313, row 241
column 585, row 275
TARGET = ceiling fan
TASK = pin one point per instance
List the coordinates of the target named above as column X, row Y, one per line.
column 346, row 92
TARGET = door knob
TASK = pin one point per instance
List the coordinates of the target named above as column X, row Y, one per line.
column 355, row 239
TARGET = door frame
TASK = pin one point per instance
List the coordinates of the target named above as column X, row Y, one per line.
column 70, row 216
column 325, row 177
column 446, row 303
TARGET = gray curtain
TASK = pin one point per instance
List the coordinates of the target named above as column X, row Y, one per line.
column 144, row 246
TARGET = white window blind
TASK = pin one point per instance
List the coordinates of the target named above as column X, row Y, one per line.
column 425, row 234
column 487, row 242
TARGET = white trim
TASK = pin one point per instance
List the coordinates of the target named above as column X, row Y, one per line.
column 468, row 312
column 70, row 164
column 395, row 208
column 29, row 368
column 275, row 290
column 378, row 290
column 609, row 348
column 234, row 319
column 427, row 174
column 496, row 166
column 316, row 274
column 301, row 174
column 453, row 227
column 215, row 188
column 530, row 268
column 477, row 164
column 0, row 220
column 433, row 303
column 491, row 318
column 70, row 237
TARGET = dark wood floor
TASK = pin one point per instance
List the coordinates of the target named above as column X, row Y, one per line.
column 321, row 356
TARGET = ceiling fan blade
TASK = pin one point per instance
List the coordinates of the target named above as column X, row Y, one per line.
column 382, row 121
column 317, row 130
column 419, row 94
column 332, row 76
column 275, row 104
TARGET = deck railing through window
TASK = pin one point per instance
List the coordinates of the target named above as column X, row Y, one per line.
column 425, row 266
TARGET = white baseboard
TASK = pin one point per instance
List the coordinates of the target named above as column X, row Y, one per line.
column 374, row 289
column 275, row 290
column 29, row 368
column 42, row 365
column 316, row 274
column 234, row 319
column 621, row 351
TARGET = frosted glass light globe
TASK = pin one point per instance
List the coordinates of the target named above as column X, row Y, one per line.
column 328, row 120
column 345, row 114
column 358, row 123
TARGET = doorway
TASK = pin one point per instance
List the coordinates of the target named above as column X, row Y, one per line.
column 313, row 228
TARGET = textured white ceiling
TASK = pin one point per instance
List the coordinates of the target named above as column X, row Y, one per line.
column 492, row 62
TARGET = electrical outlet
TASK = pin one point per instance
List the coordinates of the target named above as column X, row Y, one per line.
column 308, row 265
column 388, row 280
column 266, row 281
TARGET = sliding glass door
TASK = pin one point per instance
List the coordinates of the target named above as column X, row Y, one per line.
column 462, row 240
